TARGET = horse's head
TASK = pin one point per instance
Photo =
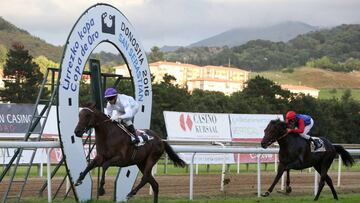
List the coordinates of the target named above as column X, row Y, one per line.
column 274, row 131
column 87, row 120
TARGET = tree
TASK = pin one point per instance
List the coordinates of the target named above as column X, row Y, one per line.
column 156, row 55
column 3, row 53
column 22, row 77
column 45, row 63
column 167, row 97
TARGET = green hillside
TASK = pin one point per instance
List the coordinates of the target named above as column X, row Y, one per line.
column 9, row 34
column 337, row 49
column 331, row 84
column 313, row 77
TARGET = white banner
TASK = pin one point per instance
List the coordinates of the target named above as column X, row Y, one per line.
column 197, row 126
column 250, row 127
column 208, row 158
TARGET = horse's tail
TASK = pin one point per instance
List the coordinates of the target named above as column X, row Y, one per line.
column 173, row 156
column 345, row 155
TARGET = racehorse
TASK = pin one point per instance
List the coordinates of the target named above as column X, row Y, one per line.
column 295, row 153
column 114, row 148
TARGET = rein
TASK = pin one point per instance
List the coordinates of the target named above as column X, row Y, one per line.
column 282, row 136
column 107, row 120
column 92, row 111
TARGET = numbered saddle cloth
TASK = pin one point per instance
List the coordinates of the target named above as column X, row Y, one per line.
column 322, row 146
column 143, row 137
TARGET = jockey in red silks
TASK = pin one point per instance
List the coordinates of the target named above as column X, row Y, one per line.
column 122, row 108
column 301, row 124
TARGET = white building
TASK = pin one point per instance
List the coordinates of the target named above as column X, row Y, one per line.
column 297, row 89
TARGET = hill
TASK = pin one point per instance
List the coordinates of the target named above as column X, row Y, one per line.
column 314, row 77
column 337, row 49
column 9, row 34
column 279, row 32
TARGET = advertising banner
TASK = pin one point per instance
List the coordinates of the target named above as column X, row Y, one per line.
column 252, row 158
column 15, row 119
column 208, row 158
column 197, row 126
column 250, row 127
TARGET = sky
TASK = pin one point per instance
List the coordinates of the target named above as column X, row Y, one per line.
column 178, row 22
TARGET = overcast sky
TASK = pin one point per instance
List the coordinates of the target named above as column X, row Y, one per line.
column 178, row 22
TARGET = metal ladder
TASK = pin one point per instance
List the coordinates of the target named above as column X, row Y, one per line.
column 35, row 120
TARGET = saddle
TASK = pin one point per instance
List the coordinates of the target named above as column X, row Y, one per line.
column 320, row 149
column 142, row 135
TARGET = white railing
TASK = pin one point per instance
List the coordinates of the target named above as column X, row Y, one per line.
column 42, row 144
column 189, row 149
column 241, row 150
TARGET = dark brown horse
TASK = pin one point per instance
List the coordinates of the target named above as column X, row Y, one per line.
column 114, row 148
column 295, row 153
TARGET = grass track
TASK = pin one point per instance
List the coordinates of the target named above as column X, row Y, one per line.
column 276, row 198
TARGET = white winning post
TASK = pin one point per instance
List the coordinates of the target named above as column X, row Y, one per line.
column 99, row 23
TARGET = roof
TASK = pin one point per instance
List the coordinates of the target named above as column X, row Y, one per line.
column 158, row 63
column 223, row 67
column 298, row 87
column 213, row 80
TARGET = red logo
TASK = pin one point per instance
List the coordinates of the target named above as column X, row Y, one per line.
column 185, row 122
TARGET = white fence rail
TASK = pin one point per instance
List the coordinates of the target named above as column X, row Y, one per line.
column 215, row 149
column 189, row 149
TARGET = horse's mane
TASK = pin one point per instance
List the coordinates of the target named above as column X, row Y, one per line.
column 92, row 106
column 278, row 122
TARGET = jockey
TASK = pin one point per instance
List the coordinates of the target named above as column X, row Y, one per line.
column 301, row 124
column 125, row 108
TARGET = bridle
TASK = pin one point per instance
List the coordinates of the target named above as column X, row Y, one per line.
column 277, row 139
column 106, row 120
column 282, row 136
column 96, row 124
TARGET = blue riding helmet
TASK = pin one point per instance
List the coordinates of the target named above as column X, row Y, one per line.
column 110, row 92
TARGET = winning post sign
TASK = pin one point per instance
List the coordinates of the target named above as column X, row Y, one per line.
column 100, row 23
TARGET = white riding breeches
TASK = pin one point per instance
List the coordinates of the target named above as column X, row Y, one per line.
column 128, row 122
column 307, row 130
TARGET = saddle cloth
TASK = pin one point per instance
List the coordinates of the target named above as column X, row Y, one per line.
column 143, row 137
column 320, row 149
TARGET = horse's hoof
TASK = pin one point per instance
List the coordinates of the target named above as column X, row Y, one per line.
column 101, row 191
column 79, row 182
column 130, row 195
column 288, row 189
column 265, row 194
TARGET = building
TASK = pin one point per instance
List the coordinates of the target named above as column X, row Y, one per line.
column 297, row 89
column 2, row 84
column 212, row 78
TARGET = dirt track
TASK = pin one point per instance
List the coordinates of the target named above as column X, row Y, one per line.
column 209, row 185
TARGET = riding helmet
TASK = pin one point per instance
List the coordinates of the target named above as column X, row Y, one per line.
column 290, row 115
column 110, row 92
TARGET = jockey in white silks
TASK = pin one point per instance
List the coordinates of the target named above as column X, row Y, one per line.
column 122, row 108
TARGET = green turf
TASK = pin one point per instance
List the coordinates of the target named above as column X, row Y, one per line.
column 203, row 169
column 330, row 93
column 344, row 198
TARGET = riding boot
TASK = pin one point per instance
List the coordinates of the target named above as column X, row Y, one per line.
column 316, row 143
column 131, row 128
